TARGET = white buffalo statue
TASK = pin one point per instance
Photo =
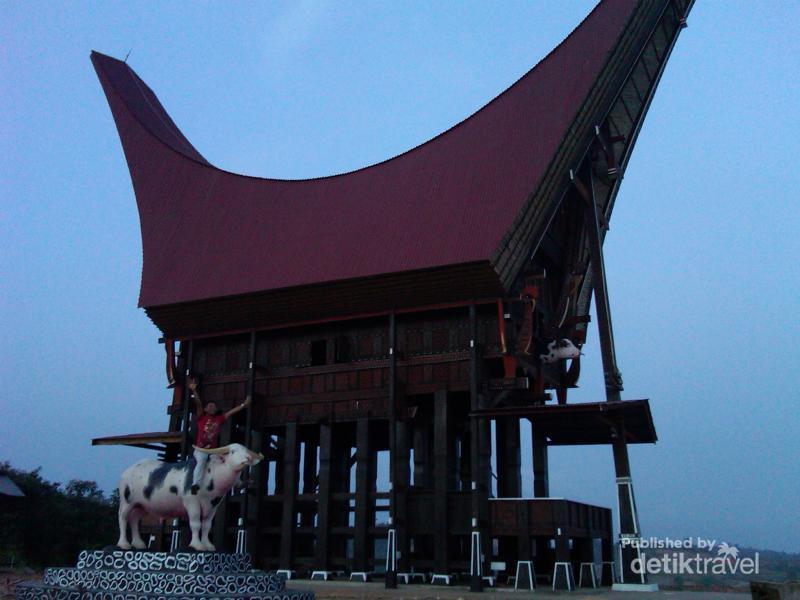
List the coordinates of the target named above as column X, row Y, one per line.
column 164, row 490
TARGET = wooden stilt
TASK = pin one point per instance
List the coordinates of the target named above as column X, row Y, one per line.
column 186, row 441
column 478, row 525
column 442, row 477
column 321, row 549
column 288, row 521
column 629, row 527
column 421, row 452
column 509, row 482
column 401, row 498
column 363, row 488
column 391, row 548
column 541, row 477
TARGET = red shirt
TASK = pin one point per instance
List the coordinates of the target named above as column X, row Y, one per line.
column 208, row 430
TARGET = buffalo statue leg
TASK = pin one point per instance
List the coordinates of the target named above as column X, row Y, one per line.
column 195, row 521
column 123, row 514
column 134, row 519
column 205, row 528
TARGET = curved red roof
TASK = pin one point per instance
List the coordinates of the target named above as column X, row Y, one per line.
column 209, row 233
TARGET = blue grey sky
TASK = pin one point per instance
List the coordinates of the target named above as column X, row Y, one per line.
column 701, row 255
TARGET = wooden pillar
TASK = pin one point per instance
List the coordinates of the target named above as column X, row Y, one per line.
column 629, row 527
column 583, row 552
column 509, row 483
column 363, row 497
column 402, row 485
column 441, row 484
column 563, row 573
column 607, row 574
column 251, row 511
column 545, row 556
column 422, row 476
column 310, row 465
column 629, row 532
column 541, row 469
column 322, row 547
column 309, row 483
column 611, row 374
column 221, row 516
column 280, row 463
column 523, row 531
column 252, row 442
column 479, row 496
column 391, row 547
column 186, row 441
column 289, row 493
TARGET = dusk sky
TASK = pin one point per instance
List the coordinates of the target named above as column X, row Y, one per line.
column 701, row 257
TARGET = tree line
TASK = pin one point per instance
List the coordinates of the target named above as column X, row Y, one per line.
column 53, row 522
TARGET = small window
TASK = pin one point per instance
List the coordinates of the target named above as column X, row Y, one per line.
column 319, row 352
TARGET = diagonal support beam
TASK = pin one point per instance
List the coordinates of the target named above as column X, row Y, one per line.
column 629, row 532
column 613, row 378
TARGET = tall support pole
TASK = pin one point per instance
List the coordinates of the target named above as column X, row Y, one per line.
column 478, row 527
column 363, row 496
column 322, row 547
column 629, row 533
column 541, row 475
column 249, row 537
column 391, row 546
column 258, row 489
column 509, row 482
column 441, row 484
column 611, row 374
column 186, row 411
column 288, row 521
column 402, row 484
column 422, row 478
column 250, row 391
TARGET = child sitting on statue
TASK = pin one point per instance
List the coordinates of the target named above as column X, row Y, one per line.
column 209, row 422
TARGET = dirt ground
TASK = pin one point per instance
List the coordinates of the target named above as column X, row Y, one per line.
column 343, row 590
column 375, row 591
column 9, row 579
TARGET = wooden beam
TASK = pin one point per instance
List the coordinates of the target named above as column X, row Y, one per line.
column 509, row 481
column 391, row 573
column 442, row 476
column 541, row 467
column 289, row 490
column 422, row 475
column 248, row 432
column 322, row 547
column 251, row 509
column 186, row 412
column 613, row 378
column 363, row 499
column 478, row 492
column 401, row 495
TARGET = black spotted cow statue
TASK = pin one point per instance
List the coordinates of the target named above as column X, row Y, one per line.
column 558, row 350
column 164, row 490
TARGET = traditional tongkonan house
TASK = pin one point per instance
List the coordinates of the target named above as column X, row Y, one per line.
column 399, row 324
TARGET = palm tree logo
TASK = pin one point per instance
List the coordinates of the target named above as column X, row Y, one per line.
column 727, row 552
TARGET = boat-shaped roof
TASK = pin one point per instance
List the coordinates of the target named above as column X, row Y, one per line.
column 454, row 200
